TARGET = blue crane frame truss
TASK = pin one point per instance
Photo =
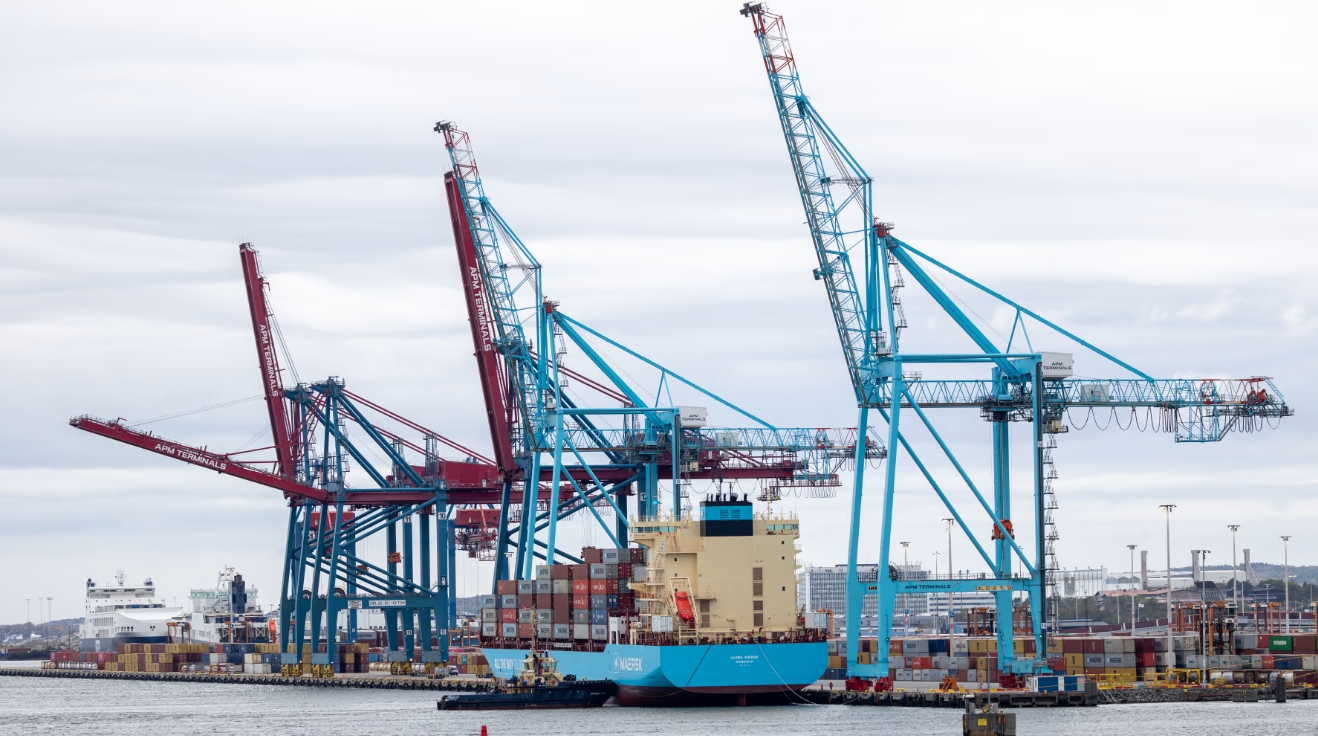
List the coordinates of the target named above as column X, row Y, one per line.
column 869, row 319
column 632, row 443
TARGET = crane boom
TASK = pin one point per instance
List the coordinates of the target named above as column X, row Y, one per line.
column 281, row 431
column 857, row 325
column 483, row 330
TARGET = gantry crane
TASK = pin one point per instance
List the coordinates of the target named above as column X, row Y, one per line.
column 541, row 433
column 411, row 505
column 1025, row 386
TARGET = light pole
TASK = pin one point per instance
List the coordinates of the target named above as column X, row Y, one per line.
column 50, row 613
column 1131, row 547
column 1286, row 559
column 29, row 610
column 951, row 617
column 906, row 570
column 1235, row 586
column 935, row 577
column 1167, row 510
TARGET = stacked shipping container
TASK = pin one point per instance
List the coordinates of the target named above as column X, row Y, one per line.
column 566, row 602
column 974, row 659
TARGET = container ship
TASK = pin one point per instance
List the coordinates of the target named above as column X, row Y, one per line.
column 702, row 612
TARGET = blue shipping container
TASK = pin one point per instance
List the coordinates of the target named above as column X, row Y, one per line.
column 598, row 616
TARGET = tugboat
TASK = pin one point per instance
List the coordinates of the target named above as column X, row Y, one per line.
column 538, row 685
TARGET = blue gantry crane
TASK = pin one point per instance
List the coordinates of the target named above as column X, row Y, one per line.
column 1024, row 386
column 595, row 455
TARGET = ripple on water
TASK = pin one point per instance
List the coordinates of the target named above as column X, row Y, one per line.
column 119, row 708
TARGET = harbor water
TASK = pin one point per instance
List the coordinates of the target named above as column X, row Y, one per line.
column 114, row 708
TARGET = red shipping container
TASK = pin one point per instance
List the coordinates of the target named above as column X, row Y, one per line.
column 638, row 555
column 507, row 587
column 1093, row 646
column 580, row 572
column 611, row 586
column 624, row 571
column 524, row 631
column 562, row 602
column 508, row 615
column 922, row 663
column 599, row 587
column 526, row 600
column 1072, row 646
column 592, row 555
column 581, row 601
column 562, row 616
column 581, row 587
column 560, row 572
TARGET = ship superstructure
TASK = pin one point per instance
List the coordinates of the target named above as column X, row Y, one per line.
column 729, row 575
column 124, row 614
column 228, row 612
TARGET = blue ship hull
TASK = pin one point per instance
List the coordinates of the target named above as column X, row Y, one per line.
column 686, row 675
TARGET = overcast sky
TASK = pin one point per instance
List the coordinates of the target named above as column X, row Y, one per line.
column 1142, row 173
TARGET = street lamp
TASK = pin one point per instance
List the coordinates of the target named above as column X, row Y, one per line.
column 1286, row 558
column 906, row 570
column 951, row 618
column 1167, row 511
column 1235, row 586
column 1131, row 547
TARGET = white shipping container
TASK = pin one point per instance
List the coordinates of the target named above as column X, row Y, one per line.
column 661, row 624
column 816, row 620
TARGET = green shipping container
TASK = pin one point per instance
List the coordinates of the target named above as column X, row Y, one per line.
column 1280, row 644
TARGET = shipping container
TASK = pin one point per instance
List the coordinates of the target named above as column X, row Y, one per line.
column 562, row 572
column 525, row 587
column 543, row 572
column 581, row 630
column 508, row 600
column 599, row 632
column 562, row 631
column 597, row 571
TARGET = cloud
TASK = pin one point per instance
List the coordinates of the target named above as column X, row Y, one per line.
column 1142, row 177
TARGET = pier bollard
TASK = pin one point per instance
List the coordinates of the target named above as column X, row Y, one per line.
column 1279, row 688
column 988, row 723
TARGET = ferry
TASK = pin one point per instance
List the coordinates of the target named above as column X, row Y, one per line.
column 711, row 617
column 124, row 614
